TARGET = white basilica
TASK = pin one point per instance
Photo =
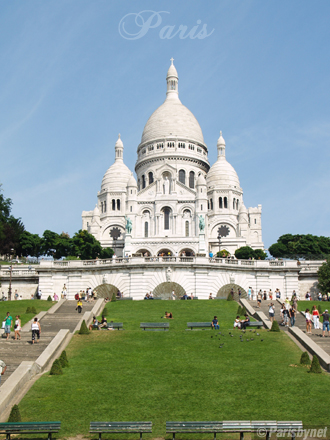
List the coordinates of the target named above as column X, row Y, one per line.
column 178, row 204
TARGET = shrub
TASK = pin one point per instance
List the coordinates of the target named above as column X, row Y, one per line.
column 239, row 311
column 83, row 329
column 230, row 297
column 63, row 360
column 56, row 369
column 315, row 367
column 105, row 312
column 275, row 327
column 15, row 415
column 33, row 310
column 244, row 312
column 305, row 358
column 113, row 298
column 49, row 298
column 28, row 310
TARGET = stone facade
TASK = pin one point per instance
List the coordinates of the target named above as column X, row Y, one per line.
column 178, row 202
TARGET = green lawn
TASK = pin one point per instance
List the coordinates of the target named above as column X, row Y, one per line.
column 134, row 375
column 303, row 305
column 19, row 308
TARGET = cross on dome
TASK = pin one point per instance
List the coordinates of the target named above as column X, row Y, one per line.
column 172, row 59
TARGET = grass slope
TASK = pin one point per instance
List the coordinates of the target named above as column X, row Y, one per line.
column 19, row 308
column 136, row 375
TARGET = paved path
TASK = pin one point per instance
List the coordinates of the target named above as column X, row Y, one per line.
column 316, row 335
column 14, row 352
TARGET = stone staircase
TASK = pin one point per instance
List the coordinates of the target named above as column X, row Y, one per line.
column 316, row 335
column 14, row 352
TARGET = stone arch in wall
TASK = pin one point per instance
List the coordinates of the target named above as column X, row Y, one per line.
column 106, row 290
column 164, row 290
column 225, row 290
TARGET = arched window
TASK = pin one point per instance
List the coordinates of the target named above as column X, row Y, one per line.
column 138, row 184
column 234, row 203
column 255, row 221
column 182, row 176
column 211, row 202
column 237, row 204
column 208, row 204
column 146, row 229
column 191, row 179
column 113, row 204
column 150, row 177
column 187, row 228
column 104, row 206
column 166, row 218
column 143, row 181
column 130, row 208
column 220, row 202
column 225, row 202
column 118, row 204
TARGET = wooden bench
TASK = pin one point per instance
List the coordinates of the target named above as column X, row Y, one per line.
column 258, row 324
column 117, row 325
column 155, row 326
column 30, row 428
column 199, row 325
column 117, row 427
column 193, row 427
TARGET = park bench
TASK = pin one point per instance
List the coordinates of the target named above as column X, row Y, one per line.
column 155, row 326
column 124, row 298
column 240, row 426
column 117, row 325
column 30, row 428
column 199, row 325
column 118, row 427
column 268, row 427
column 257, row 324
column 193, row 427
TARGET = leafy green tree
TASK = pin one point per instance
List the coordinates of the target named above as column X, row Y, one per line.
column 63, row 245
column 15, row 415
column 245, row 252
column 324, row 277
column 85, row 245
column 11, row 228
column 30, row 244
column 49, row 242
column 304, row 246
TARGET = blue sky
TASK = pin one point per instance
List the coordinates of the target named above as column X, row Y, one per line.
column 72, row 78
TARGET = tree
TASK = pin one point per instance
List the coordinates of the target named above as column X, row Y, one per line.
column 301, row 246
column 315, row 367
column 85, row 245
column 15, row 415
column 30, row 244
column 49, row 242
column 245, row 252
column 324, row 277
column 11, row 228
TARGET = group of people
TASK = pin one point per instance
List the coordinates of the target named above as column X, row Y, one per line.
column 242, row 323
column 84, row 295
column 7, row 325
column 103, row 324
column 314, row 317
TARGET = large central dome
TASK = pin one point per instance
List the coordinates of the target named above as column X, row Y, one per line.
column 172, row 118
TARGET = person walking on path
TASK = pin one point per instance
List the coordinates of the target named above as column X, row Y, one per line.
column 316, row 318
column 36, row 330
column 259, row 298
column 326, row 324
column 17, row 328
column 3, row 368
column 79, row 306
column 292, row 312
column 308, row 321
column 271, row 312
column 8, row 324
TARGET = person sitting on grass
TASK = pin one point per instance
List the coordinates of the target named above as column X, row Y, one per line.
column 215, row 323
column 237, row 322
column 95, row 324
column 104, row 322
column 168, row 315
column 245, row 322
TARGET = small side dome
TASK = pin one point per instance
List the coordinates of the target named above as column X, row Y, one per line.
column 172, row 70
column 243, row 209
column 201, row 180
column 221, row 141
column 132, row 181
column 119, row 142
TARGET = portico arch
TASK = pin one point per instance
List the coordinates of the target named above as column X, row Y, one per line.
column 225, row 290
column 188, row 252
column 106, row 290
column 164, row 290
column 166, row 252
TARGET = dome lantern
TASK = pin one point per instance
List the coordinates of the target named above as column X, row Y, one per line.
column 119, row 149
column 172, row 80
column 221, row 146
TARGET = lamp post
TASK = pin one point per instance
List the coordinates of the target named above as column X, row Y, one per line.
column 219, row 240
column 9, row 288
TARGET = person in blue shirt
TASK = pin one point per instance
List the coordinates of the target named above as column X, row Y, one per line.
column 215, row 323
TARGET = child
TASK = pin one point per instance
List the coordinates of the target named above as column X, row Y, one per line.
column 237, row 322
